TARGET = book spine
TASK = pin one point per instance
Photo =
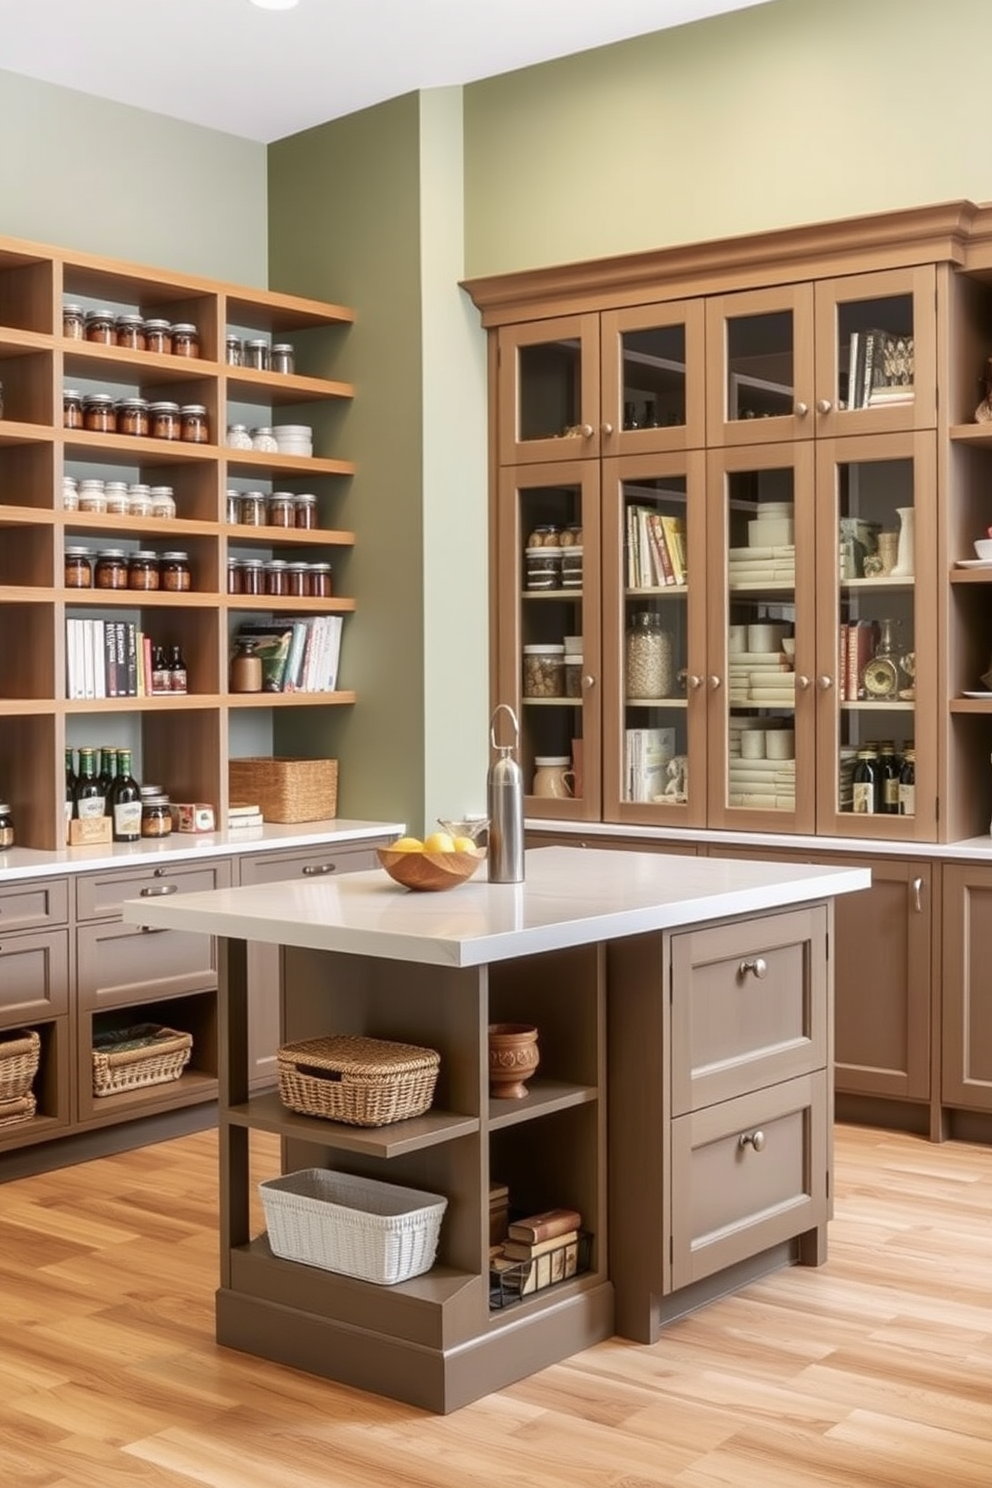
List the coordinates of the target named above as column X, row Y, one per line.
column 546, row 1225
column 659, row 547
column 110, row 662
column 674, row 542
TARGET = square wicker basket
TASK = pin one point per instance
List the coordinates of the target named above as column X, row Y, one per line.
column 356, row 1226
column 19, row 1108
column 130, row 1058
column 360, row 1081
column 20, row 1054
column 286, row 790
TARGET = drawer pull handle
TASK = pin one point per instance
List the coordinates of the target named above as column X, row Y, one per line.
column 157, row 890
column 752, row 1139
column 316, row 870
column 151, row 929
column 759, row 966
column 918, row 895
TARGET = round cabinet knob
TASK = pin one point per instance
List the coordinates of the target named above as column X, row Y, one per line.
column 714, row 683
column 802, row 682
column 695, row 681
column 824, row 683
column 758, row 966
column 586, row 430
column 823, row 405
column 752, row 1139
column 607, row 430
column 588, row 681
column 801, row 410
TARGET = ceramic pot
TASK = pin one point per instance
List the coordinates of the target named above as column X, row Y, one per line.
column 513, row 1058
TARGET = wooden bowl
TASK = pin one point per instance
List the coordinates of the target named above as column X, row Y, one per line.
column 430, row 871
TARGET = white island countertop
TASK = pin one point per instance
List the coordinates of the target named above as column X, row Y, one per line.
column 569, row 897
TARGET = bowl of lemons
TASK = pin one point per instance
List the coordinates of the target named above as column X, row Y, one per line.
column 440, row 861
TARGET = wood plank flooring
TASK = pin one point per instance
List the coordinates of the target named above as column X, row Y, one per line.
column 872, row 1372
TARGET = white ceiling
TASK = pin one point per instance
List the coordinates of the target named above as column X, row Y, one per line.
column 265, row 74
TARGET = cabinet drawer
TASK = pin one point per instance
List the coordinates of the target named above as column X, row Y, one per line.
column 34, row 976
column 33, row 905
column 747, row 1175
column 749, row 1006
column 315, row 862
column 118, row 964
column 100, row 895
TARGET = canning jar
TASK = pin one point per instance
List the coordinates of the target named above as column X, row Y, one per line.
column 70, row 493
column 139, row 500
column 234, row 351
column 281, row 511
column 282, row 357
column 649, row 665
column 6, row 826
column 101, row 327
column 129, row 332
column 98, row 413
column 573, row 675
column 164, row 420
column 175, row 572
column 185, row 340
column 118, row 498
column 542, row 568
column 156, row 815
column 143, row 570
column 72, row 408
column 111, row 568
column 257, row 354
column 320, row 580
column 132, row 417
column 78, row 569
column 235, row 576
column 305, row 511
column 73, row 322
column 276, row 578
column 263, row 441
column 253, row 575
column 91, row 496
column 298, row 577
column 251, row 509
column 233, row 506
column 195, row 428
column 238, row 437
column 158, row 335
column 163, row 502
column 544, row 668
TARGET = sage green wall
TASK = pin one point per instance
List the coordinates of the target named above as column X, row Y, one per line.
column 79, row 172
column 786, row 113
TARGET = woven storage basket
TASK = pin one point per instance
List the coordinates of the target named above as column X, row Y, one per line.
column 19, row 1056
column 286, row 790
column 21, row 1108
column 146, row 1054
column 357, row 1080
column 356, row 1226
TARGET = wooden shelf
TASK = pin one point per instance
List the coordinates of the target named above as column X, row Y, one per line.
column 267, row 1113
column 542, row 1099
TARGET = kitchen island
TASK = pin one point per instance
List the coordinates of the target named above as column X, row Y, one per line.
column 682, row 1104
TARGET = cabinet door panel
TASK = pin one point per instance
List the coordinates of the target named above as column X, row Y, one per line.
column 759, row 356
column 100, row 895
column 549, row 390
column 118, row 964
column 966, row 1078
column 33, row 905
column 34, row 976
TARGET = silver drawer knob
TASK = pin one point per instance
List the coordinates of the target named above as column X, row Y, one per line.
column 752, row 1139
column 758, row 967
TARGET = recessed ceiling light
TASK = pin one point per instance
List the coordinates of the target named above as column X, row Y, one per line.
column 276, row 4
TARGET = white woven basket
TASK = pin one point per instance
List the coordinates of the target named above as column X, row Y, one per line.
column 356, row 1226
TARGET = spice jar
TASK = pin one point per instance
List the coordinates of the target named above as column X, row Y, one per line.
column 305, row 511
column 282, row 357
column 139, row 500
column 234, row 351
column 235, row 576
column 158, row 335
column 298, row 576
column 72, row 408
column 264, row 441
column 253, row 575
column 175, row 572
column 156, row 815
column 649, row 670
column 185, row 340
column 142, row 570
column 164, row 420
column 111, row 569
column 251, row 509
column 78, row 569
column 281, row 510
column 118, row 499
column 544, row 668
column 130, row 332
column 70, row 494
column 73, row 322
column 6, row 826
column 195, row 428
column 101, row 327
column 98, row 413
column 132, row 417
column 320, row 580
column 91, row 496
column 257, row 354
column 238, row 437
column 276, row 578
column 163, row 502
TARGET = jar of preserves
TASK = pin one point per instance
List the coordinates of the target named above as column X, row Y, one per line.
column 281, row 512
column 298, row 579
column 132, row 417
column 158, row 335
column 142, row 570
column 139, row 500
column 649, row 670
column 72, row 408
column 235, row 576
column 99, row 415
column 111, row 569
column 253, row 575
column 185, row 340
column 6, row 826
column 234, row 351
column 129, row 332
column 118, row 498
column 73, row 322
column 544, row 671
column 164, row 420
column 251, row 509
column 175, row 572
column 101, row 327
column 238, row 437
column 156, row 815
column 282, row 358
column 92, row 497
column 320, row 580
column 195, row 427
column 163, row 502
column 305, row 511
column 263, row 441
column 78, row 568
column 276, row 578
column 257, row 354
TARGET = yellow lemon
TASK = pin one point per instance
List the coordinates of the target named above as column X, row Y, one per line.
column 464, row 844
column 406, row 844
column 439, row 842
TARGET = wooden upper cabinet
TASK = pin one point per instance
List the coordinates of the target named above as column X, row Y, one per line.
column 759, row 358
column 653, row 379
column 549, row 390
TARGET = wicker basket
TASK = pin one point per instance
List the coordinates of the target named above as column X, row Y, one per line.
column 286, row 790
column 21, row 1108
column 360, row 1081
column 146, row 1054
column 356, row 1226
column 19, row 1057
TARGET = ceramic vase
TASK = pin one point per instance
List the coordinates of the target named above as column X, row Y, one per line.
column 905, row 560
column 513, row 1058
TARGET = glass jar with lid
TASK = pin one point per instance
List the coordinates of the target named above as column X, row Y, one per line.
column 195, row 426
column 233, row 509
column 78, row 568
column 101, row 326
column 164, row 419
column 6, row 826
column 649, row 670
column 235, row 576
column 234, row 351
column 92, row 497
column 263, row 441
column 251, row 509
column 257, row 354
column 143, row 569
column 281, row 510
column 70, row 493
column 305, row 511
column 132, row 417
column 298, row 579
column 158, row 335
column 99, row 414
column 118, row 498
column 111, row 569
column 276, row 578
column 544, row 671
column 185, row 339
column 163, row 502
column 174, row 571
column 73, row 322
column 129, row 332
column 253, row 575
column 238, row 437
column 72, row 408
column 139, row 500
column 156, row 814
column 320, row 580
column 282, row 357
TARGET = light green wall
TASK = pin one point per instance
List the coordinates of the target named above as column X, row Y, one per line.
column 78, row 172
column 787, row 113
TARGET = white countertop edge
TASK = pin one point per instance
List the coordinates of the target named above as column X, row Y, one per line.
column 567, row 899
column 25, row 862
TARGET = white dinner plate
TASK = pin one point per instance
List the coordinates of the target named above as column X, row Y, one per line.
column 983, row 694
column 974, row 563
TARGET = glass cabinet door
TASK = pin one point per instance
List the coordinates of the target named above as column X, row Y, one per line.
column 653, row 381
column 759, row 353
column 654, row 639
column 761, row 638
column 877, row 640
column 548, row 379
column 548, row 638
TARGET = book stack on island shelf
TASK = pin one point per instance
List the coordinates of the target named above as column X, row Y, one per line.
column 538, row 1251
column 244, row 817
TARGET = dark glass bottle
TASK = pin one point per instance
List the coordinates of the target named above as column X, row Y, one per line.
column 161, row 676
column 108, row 768
column 630, row 420
column 888, row 780
column 70, row 788
column 177, row 670
column 865, row 782
column 125, row 801
column 89, row 798
column 907, row 784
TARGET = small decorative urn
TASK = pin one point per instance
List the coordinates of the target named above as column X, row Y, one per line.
column 513, row 1058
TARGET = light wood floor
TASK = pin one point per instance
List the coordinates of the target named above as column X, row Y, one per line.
column 873, row 1372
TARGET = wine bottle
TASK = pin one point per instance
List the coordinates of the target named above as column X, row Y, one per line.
column 161, row 676
column 70, row 788
column 888, row 779
column 907, row 784
column 177, row 670
column 89, row 798
column 108, row 768
column 865, row 782
column 125, row 801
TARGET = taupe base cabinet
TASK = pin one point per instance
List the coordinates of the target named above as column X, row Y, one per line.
column 683, row 1015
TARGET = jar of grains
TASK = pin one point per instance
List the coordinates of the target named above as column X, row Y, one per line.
column 118, row 498
column 156, row 815
column 238, row 437
column 72, row 408
column 649, row 670
column 143, row 570
column 92, row 497
column 281, row 512
column 305, row 511
column 99, row 416
column 130, row 332
column 195, row 427
column 320, row 580
column 165, row 422
column 132, row 417
column 251, row 509
column 73, row 322
column 139, row 500
column 544, row 671
column 111, row 568
column 163, row 502
column 276, row 577
column 185, row 340
column 298, row 575
column 78, row 569
column 158, row 335
column 235, row 576
column 263, row 441
column 253, row 575
column 101, row 327
column 175, row 572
